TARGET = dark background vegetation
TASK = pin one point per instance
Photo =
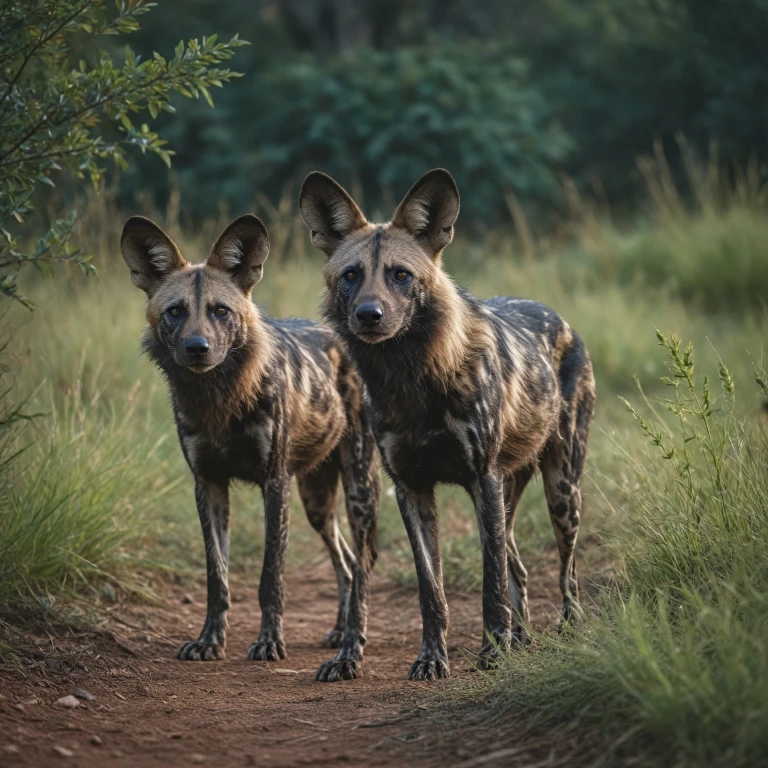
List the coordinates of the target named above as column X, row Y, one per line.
column 509, row 94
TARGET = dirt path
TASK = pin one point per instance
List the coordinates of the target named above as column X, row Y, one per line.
column 151, row 710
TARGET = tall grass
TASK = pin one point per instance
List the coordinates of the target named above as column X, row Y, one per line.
column 705, row 246
column 75, row 503
column 675, row 664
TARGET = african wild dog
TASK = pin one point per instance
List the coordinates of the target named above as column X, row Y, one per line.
column 476, row 393
column 259, row 400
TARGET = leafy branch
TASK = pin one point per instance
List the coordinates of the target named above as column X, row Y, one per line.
column 67, row 107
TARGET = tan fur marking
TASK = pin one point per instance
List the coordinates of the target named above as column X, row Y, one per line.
column 161, row 254
column 456, row 343
column 562, row 344
column 231, row 253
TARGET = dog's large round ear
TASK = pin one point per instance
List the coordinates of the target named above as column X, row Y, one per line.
column 241, row 250
column 430, row 210
column 149, row 252
column 329, row 211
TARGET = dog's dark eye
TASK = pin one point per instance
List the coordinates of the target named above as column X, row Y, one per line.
column 350, row 275
column 221, row 311
column 401, row 275
column 174, row 312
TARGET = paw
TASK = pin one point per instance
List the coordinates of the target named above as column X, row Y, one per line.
column 429, row 669
column 572, row 614
column 339, row 669
column 494, row 651
column 333, row 639
column 199, row 650
column 488, row 658
column 267, row 650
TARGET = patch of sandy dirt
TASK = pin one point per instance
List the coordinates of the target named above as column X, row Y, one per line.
column 148, row 709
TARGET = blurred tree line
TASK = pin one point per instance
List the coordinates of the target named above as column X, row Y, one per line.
column 508, row 94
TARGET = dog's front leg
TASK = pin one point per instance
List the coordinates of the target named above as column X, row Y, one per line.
column 213, row 509
column 497, row 606
column 419, row 514
column 271, row 646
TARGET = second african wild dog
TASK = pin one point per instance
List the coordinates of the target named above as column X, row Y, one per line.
column 476, row 393
column 259, row 400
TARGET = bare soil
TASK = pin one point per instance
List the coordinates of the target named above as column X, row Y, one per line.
column 148, row 709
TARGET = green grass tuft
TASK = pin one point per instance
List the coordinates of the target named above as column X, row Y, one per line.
column 75, row 506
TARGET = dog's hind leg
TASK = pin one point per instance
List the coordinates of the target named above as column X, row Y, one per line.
column 319, row 492
column 514, row 485
column 562, row 466
column 277, row 495
column 362, row 490
column 213, row 509
column 497, row 606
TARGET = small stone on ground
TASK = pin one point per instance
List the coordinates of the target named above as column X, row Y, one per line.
column 66, row 702
column 108, row 592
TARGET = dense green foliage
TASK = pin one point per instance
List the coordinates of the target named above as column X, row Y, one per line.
column 379, row 117
column 506, row 95
column 624, row 73
column 61, row 98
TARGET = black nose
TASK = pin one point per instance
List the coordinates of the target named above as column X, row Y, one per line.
column 196, row 345
column 369, row 314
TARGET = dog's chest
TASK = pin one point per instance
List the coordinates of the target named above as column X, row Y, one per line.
column 419, row 455
column 243, row 451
